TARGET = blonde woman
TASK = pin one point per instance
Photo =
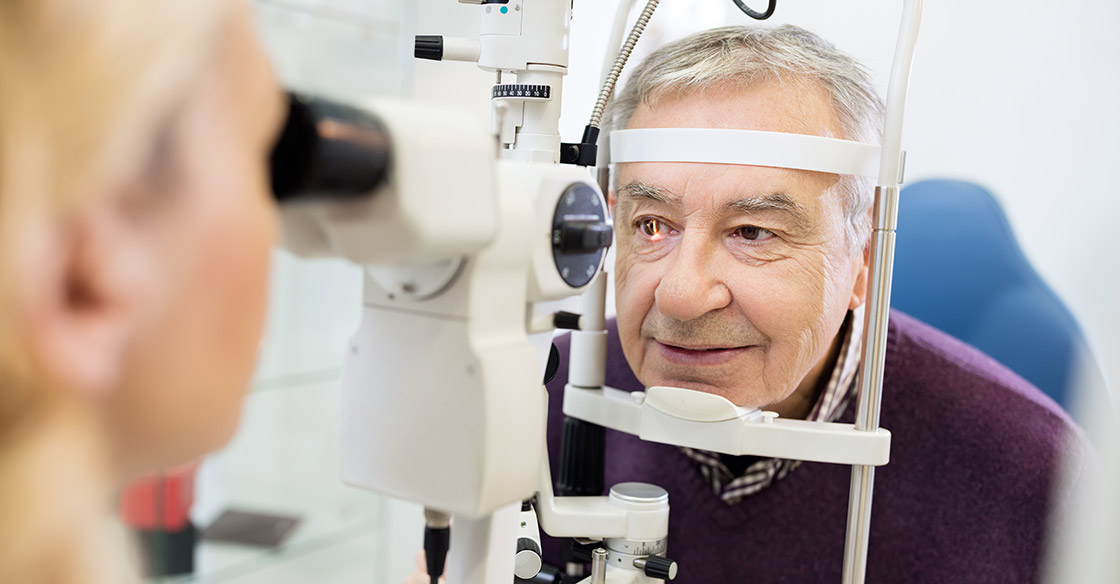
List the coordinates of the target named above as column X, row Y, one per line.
column 135, row 227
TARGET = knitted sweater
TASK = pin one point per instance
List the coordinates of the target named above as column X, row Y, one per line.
column 965, row 497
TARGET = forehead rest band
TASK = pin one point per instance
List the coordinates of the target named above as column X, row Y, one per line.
column 749, row 147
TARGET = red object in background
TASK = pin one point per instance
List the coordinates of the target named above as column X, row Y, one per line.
column 160, row 502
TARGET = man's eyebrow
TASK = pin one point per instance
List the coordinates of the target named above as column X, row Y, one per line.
column 771, row 202
column 641, row 191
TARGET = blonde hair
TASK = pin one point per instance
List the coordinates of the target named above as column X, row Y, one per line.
column 85, row 84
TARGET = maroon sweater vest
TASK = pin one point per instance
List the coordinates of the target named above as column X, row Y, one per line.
column 965, row 497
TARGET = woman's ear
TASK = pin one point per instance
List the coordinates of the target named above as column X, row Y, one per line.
column 88, row 281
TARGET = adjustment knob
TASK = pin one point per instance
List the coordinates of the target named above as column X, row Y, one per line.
column 581, row 234
column 584, row 235
column 658, row 567
column 527, row 563
column 428, row 47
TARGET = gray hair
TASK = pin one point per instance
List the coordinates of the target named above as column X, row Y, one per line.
column 753, row 55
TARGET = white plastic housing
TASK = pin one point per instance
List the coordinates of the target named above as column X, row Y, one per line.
column 529, row 126
column 527, row 32
column 440, row 201
column 442, row 397
column 588, row 346
column 528, row 40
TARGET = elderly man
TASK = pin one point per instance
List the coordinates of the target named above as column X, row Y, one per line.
column 749, row 282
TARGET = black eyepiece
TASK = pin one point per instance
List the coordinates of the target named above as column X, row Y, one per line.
column 328, row 150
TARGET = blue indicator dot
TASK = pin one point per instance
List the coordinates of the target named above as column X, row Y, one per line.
column 505, row 9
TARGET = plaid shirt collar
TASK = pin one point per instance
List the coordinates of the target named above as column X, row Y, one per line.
column 828, row 408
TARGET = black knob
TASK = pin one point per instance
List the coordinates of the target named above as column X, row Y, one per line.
column 581, row 233
column 584, row 236
column 527, row 562
column 429, row 47
column 658, row 567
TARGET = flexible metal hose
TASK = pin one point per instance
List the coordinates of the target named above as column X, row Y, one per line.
column 620, row 62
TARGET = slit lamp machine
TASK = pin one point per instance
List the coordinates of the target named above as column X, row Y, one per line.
column 470, row 236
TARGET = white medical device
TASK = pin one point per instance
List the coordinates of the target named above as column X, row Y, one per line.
column 468, row 235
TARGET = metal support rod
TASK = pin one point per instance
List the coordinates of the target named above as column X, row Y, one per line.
column 876, row 321
column 599, row 566
column 879, row 291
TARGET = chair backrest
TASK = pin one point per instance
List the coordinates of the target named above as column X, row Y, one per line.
column 959, row 268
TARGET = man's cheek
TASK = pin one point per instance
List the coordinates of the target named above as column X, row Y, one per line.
column 635, row 288
column 628, row 272
column 627, row 303
column 800, row 284
column 773, row 303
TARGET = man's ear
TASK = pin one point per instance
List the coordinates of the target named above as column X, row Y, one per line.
column 859, row 290
column 85, row 293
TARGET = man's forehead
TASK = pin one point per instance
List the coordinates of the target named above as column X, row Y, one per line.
column 791, row 106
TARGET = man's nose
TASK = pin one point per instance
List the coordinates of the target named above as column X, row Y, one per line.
column 691, row 285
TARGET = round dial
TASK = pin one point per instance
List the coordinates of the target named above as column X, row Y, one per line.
column 581, row 234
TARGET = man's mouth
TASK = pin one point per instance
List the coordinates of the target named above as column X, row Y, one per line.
column 695, row 355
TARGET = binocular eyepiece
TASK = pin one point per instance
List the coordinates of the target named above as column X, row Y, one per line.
column 328, row 151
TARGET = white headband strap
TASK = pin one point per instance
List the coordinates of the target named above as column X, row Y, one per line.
column 721, row 146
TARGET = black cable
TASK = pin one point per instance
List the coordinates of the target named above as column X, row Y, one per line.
column 756, row 15
column 437, row 541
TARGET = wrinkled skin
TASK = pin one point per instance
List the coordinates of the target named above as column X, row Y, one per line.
column 734, row 279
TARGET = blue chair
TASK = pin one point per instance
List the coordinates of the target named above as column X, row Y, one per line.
column 959, row 268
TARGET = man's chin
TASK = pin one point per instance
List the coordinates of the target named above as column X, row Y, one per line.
column 737, row 396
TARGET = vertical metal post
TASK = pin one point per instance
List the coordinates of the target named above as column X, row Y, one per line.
column 875, row 326
column 599, row 566
column 879, row 293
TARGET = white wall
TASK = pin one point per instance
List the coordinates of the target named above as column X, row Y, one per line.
column 1021, row 97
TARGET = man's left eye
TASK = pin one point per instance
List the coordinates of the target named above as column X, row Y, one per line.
column 753, row 233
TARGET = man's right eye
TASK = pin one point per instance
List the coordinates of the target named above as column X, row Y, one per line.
column 652, row 227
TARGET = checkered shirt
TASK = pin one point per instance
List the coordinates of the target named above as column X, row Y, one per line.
column 829, row 407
